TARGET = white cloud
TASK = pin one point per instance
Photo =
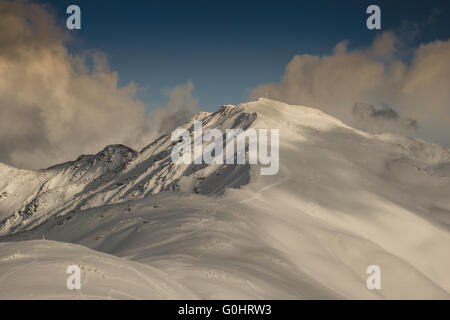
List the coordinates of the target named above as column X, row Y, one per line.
column 416, row 92
column 54, row 107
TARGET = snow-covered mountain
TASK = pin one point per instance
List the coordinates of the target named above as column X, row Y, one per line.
column 342, row 200
column 32, row 196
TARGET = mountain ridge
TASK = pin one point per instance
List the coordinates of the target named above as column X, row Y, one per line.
column 119, row 173
column 342, row 200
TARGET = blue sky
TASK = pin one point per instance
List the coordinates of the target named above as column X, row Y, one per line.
column 228, row 47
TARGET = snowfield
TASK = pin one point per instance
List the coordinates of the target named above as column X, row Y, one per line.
column 145, row 228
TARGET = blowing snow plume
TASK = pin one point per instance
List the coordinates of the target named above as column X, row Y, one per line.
column 55, row 105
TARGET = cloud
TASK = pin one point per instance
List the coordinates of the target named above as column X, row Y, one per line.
column 382, row 119
column 374, row 88
column 55, row 106
column 180, row 108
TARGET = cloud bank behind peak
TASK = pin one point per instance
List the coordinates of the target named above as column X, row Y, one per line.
column 55, row 105
column 405, row 95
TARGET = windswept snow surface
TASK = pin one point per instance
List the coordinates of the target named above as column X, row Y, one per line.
column 342, row 200
column 37, row 270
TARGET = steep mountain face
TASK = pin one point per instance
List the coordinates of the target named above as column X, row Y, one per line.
column 115, row 174
column 342, row 200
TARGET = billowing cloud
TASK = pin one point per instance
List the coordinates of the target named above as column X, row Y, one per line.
column 374, row 88
column 180, row 108
column 55, row 106
column 382, row 119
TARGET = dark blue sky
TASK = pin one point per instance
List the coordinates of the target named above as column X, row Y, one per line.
column 228, row 47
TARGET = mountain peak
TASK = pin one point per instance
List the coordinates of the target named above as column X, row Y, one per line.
column 119, row 173
column 339, row 191
column 117, row 150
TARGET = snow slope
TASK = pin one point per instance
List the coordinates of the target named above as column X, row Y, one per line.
column 342, row 200
column 36, row 270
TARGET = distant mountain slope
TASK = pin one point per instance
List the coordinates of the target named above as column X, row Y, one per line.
column 342, row 200
column 28, row 196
